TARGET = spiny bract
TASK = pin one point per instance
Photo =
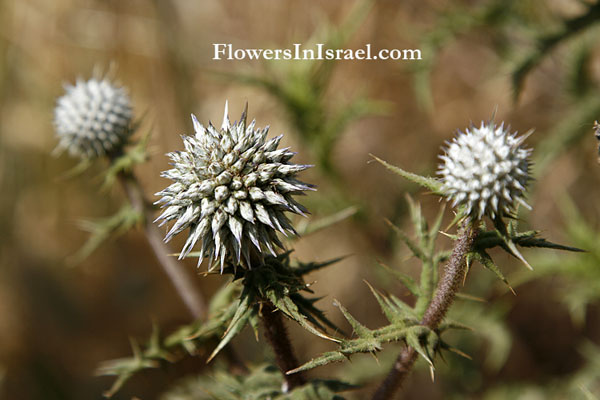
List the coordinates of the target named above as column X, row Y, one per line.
column 231, row 188
column 92, row 118
column 486, row 170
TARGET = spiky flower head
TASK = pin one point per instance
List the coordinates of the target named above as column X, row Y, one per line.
column 92, row 118
column 231, row 189
column 486, row 170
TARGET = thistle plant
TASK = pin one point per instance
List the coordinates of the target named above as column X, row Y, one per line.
column 94, row 118
column 484, row 172
column 231, row 189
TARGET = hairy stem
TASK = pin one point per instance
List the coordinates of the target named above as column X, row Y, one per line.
column 189, row 293
column 276, row 335
column 436, row 310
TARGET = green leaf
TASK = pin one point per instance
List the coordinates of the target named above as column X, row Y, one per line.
column 125, row 368
column 509, row 244
column 308, row 228
column 358, row 328
column 124, row 163
column 290, row 309
column 103, row 229
column 485, row 260
column 406, row 280
column 414, row 248
column 324, row 359
column 532, row 241
column 238, row 322
column 313, row 314
column 390, row 312
column 306, row 268
column 434, row 185
column 424, row 341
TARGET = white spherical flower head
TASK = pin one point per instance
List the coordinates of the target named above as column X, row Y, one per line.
column 486, row 170
column 92, row 118
column 231, row 189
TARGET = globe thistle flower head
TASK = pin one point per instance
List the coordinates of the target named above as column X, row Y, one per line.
column 231, row 188
column 92, row 118
column 486, row 170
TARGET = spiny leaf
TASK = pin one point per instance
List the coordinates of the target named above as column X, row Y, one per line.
column 435, row 228
column 404, row 308
column 358, row 328
column 465, row 296
column 390, row 312
column 224, row 297
column 406, row 280
column 307, row 228
column 188, row 338
column 289, row 308
column 532, row 241
column 509, row 245
column 238, row 322
column 102, row 230
column 125, row 368
column 419, row 222
column 78, row 169
column 415, row 335
column 133, row 156
column 445, row 325
column 459, row 215
column 414, row 248
column 432, row 184
column 488, row 263
column 312, row 313
column 444, row 346
column 264, row 382
column 324, row 359
column 306, row 268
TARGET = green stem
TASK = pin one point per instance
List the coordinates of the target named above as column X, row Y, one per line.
column 435, row 312
column 427, row 284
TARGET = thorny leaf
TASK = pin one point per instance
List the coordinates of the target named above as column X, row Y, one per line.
column 403, row 327
column 434, row 185
column 103, row 229
column 406, row 280
column 304, row 227
column 137, row 154
column 262, row 383
column 187, row 339
column 242, row 316
column 485, row 260
column 282, row 284
column 414, row 248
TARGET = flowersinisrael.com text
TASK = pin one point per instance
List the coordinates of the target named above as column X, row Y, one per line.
column 224, row 51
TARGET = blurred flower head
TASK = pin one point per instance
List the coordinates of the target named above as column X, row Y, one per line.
column 231, row 188
column 92, row 118
column 486, row 170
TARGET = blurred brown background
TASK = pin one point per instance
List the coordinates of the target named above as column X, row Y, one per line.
column 57, row 321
